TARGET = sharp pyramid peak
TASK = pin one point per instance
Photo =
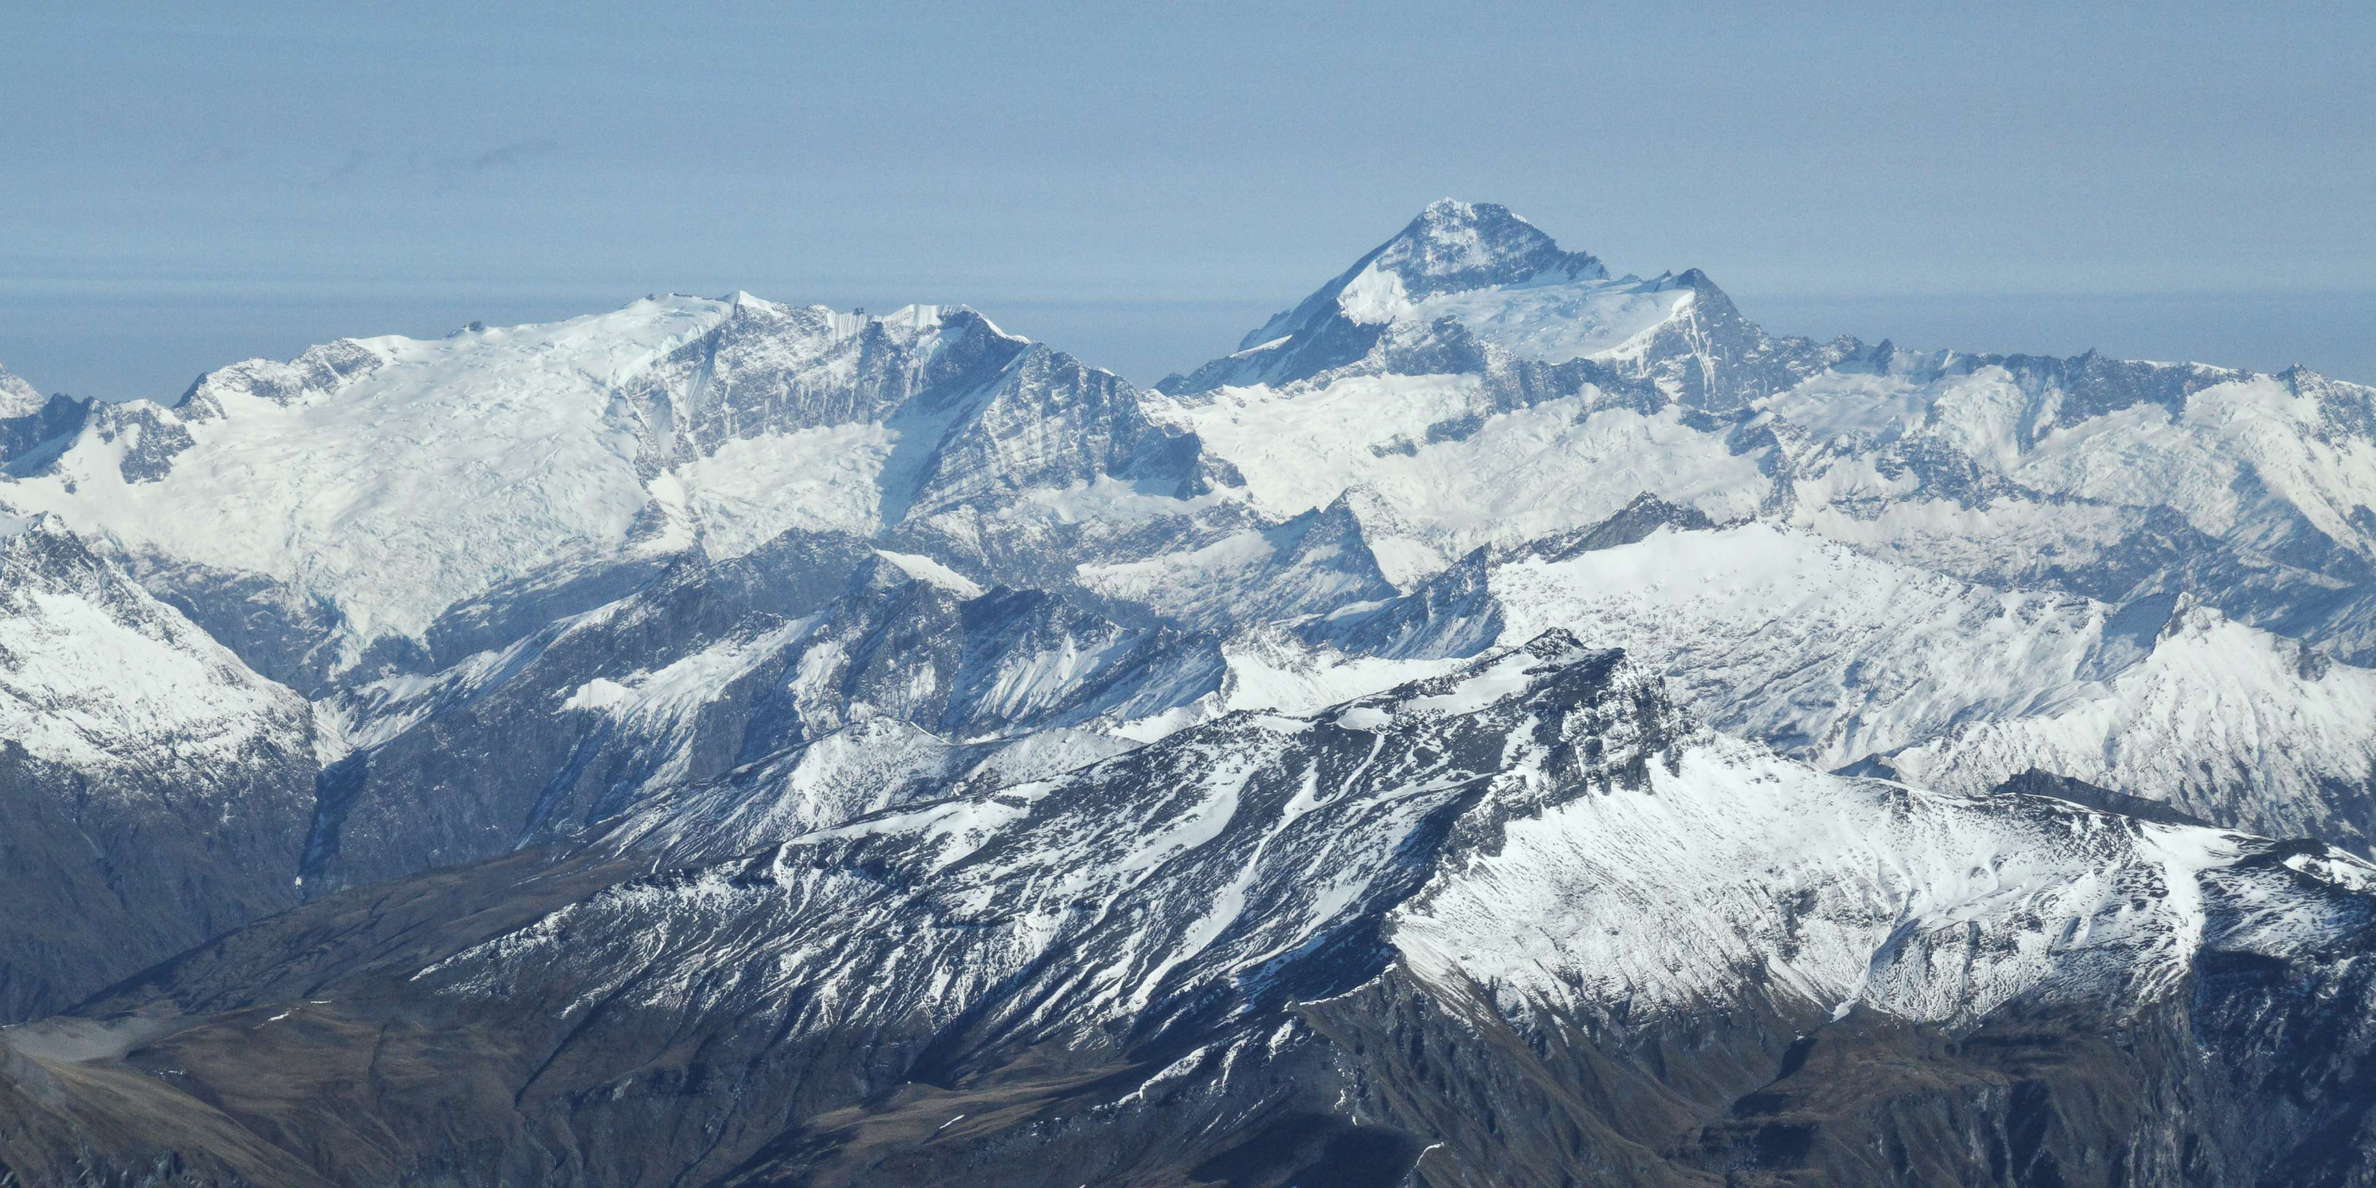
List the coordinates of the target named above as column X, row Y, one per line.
column 1453, row 244
column 1452, row 247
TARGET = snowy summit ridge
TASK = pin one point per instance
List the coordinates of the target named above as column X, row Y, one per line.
column 1454, row 245
column 1475, row 269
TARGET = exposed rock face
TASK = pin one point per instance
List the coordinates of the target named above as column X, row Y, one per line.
column 715, row 667
column 31, row 425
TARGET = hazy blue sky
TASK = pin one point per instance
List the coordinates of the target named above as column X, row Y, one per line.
column 182, row 185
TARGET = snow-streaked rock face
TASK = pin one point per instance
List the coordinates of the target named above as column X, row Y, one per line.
column 775, row 661
column 1919, row 905
column 155, row 789
column 98, row 676
column 1405, row 909
column 1540, row 821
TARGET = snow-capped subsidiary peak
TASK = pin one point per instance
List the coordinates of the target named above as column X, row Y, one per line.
column 391, row 478
column 18, row 398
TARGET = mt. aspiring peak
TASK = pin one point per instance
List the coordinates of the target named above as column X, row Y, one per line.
column 1450, row 247
column 1454, row 245
column 1464, row 284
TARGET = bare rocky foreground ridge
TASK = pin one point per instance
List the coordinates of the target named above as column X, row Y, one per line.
column 1507, row 724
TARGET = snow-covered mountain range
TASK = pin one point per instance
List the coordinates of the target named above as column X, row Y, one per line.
column 1527, row 668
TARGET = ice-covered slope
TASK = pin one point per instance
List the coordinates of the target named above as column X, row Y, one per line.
column 155, row 789
column 1523, row 917
column 1721, row 857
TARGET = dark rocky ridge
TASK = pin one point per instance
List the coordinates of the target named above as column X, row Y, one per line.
column 555, row 1018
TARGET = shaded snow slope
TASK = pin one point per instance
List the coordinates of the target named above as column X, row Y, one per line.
column 98, row 676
